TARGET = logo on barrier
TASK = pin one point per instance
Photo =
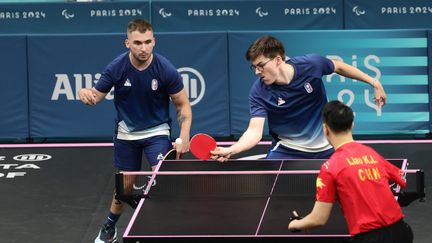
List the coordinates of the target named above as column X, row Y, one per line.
column 357, row 11
column 260, row 12
column 103, row 13
column 194, row 84
column 164, row 13
column 32, row 157
column 67, row 15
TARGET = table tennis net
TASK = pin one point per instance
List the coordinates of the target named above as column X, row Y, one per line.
column 229, row 183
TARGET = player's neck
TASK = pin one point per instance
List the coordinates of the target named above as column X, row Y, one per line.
column 138, row 64
column 286, row 73
column 340, row 140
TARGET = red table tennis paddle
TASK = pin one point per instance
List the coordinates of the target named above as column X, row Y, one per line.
column 201, row 144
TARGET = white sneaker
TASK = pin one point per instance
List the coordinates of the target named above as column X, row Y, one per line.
column 107, row 234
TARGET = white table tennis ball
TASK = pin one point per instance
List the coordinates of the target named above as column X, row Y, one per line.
column 178, row 141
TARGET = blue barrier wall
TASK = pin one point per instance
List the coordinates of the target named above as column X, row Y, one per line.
column 215, row 15
column 430, row 75
column 70, row 17
column 216, row 76
column 201, row 59
column 57, row 73
column 14, row 121
column 58, row 67
column 222, row 15
column 39, row 95
column 388, row 14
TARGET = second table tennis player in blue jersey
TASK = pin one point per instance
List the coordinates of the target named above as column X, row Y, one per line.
column 290, row 93
column 144, row 82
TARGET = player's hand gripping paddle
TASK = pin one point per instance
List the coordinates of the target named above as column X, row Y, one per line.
column 295, row 216
column 201, row 144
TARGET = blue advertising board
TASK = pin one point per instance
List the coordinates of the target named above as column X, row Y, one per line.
column 57, row 73
column 218, row 15
column 201, row 59
column 14, row 93
column 70, row 17
column 388, row 14
column 430, row 75
column 60, row 65
column 42, row 74
column 398, row 58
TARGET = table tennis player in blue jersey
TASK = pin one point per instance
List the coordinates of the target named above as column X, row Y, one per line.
column 290, row 92
column 143, row 84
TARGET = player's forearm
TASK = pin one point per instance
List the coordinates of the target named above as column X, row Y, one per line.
column 318, row 217
column 247, row 141
column 184, row 118
column 309, row 222
column 352, row 72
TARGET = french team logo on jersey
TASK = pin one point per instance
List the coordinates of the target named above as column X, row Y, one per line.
column 127, row 83
column 154, row 84
column 308, row 87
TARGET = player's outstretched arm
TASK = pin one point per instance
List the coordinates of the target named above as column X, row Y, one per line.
column 248, row 140
column 318, row 217
column 352, row 72
column 184, row 118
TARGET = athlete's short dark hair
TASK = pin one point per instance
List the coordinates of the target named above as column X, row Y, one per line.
column 268, row 46
column 338, row 116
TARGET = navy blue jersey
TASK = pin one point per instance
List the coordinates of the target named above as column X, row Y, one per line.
column 141, row 98
column 294, row 110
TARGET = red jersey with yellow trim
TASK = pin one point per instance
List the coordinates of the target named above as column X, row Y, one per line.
column 358, row 177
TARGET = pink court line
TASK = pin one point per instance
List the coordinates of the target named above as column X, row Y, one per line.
column 231, row 236
column 227, row 143
column 268, row 200
column 147, row 189
column 134, row 216
column 56, row 145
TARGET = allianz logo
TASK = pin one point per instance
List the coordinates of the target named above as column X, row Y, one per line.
column 32, row 157
column 194, row 84
column 67, row 86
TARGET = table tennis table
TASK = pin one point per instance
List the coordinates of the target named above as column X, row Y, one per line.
column 241, row 200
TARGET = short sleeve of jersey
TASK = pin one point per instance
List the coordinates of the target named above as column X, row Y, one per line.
column 320, row 65
column 325, row 185
column 104, row 83
column 256, row 107
column 171, row 77
column 110, row 74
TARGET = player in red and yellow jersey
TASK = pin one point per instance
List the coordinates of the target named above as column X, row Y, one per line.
column 358, row 177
